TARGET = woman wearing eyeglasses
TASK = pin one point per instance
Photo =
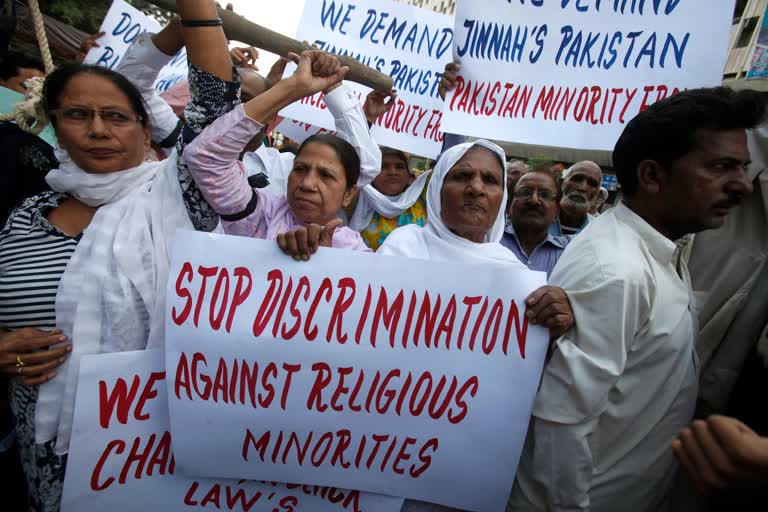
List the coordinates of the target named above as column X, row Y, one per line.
column 109, row 222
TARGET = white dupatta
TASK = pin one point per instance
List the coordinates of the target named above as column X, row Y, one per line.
column 112, row 294
column 438, row 243
column 371, row 200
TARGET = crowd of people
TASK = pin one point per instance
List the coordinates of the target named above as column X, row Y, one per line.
column 646, row 400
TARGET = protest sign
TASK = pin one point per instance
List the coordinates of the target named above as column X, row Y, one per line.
column 410, row 44
column 122, row 24
column 573, row 73
column 297, row 131
column 120, row 456
column 402, row 377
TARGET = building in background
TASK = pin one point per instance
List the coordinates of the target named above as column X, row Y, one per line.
column 748, row 19
column 442, row 6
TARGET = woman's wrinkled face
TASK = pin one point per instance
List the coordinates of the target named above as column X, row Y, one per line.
column 472, row 194
column 317, row 185
column 394, row 177
column 112, row 139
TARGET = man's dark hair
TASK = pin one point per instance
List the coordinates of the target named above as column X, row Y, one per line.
column 57, row 81
column 344, row 150
column 667, row 130
column 13, row 62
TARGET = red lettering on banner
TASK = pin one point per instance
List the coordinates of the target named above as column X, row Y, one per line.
column 427, row 318
column 218, row 318
column 322, row 379
column 325, row 287
column 240, row 294
column 347, row 286
column 186, row 270
column 148, row 393
column 121, row 397
column 389, row 313
column 521, row 329
column 275, row 278
column 205, row 272
column 118, row 446
column 302, row 285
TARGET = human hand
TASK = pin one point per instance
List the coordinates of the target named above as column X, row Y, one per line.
column 721, row 452
column 24, row 354
column 316, row 71
column 448, row 80
column 276, row 72
column 549, row 306
column 87, row 44
column 304, row 241
column 376, row 104
column 245, row 57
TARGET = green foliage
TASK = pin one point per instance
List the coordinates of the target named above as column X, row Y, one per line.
column 540, row 161
column 87, row 15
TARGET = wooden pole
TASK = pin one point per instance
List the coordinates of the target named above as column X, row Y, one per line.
column 240, row 29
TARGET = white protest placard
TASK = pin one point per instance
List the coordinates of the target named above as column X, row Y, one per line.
column 122, row 24
column 410, row 44
column 120, row 456
column 298, row 131
column 402, row 377
column 573, row 73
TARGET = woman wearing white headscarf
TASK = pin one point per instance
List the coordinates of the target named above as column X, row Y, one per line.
column 465, row 222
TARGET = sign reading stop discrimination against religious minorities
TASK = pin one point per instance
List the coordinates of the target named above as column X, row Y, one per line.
column 402, row 377
column 122, row 24
column 573, row 73
column 410, row 44
column 120, row 456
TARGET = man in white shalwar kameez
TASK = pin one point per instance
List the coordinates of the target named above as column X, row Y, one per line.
column 623, row 382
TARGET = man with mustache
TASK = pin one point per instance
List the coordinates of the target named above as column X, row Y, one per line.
column 533, row 210
column 623, row 382
column 581, row 184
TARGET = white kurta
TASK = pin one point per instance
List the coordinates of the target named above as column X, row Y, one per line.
column 622, row 382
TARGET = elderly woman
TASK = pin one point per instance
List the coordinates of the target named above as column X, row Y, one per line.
column 110, row 223
column 322, row 181
column 465, row 199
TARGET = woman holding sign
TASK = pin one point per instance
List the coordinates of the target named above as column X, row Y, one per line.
column 465, row 199
column 101, row 239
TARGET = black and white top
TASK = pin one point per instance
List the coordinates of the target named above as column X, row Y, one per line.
column 33, row 255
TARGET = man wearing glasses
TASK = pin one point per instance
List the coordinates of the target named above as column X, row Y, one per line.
column 534, row 209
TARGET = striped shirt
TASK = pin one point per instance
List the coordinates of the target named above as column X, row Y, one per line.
column 33, row 256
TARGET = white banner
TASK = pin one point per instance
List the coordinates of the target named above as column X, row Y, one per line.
column 573, row 73
column 297, row 131
column 120, row 456
column 402, row 377
column 122, row 24
column 410, row 44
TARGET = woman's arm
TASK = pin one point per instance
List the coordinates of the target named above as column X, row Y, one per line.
column 215, row 91
column 213, row 157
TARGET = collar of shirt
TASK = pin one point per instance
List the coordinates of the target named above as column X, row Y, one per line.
column 557, row 230
column 662, row 248
column 559, row 241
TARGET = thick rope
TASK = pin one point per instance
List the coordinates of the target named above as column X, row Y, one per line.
column 42, row 38
column 29, row 114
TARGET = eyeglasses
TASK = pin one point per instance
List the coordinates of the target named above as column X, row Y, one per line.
column 527, row 193
column 81, row 116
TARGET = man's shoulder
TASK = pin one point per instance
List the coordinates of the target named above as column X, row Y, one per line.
column 608, row 249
